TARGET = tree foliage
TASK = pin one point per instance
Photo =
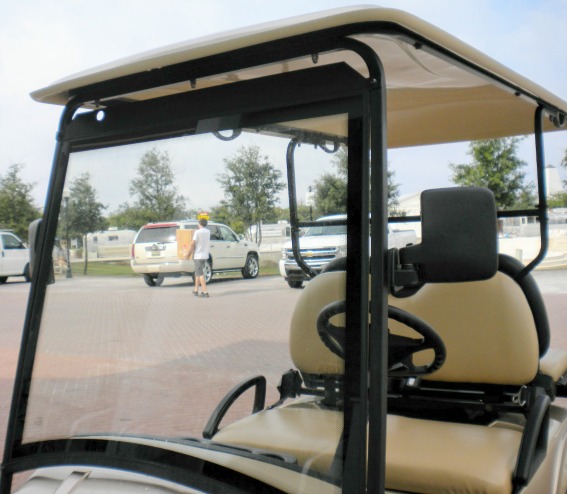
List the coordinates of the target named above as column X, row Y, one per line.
column 83, row 213
column 559, row 200
column 251, row 184
column 496, row 166
column 128, row 217
column 156, row 192
column 330, row 194
column 331, row 189
column 17, row 208
column 222, row 214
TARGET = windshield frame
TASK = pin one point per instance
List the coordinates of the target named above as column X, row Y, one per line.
column 217, row 108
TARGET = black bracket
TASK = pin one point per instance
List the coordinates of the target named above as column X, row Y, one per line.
column 259, row 382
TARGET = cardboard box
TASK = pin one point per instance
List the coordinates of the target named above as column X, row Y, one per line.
column 184, row 239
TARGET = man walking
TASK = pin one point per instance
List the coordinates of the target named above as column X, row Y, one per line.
column 200, row 247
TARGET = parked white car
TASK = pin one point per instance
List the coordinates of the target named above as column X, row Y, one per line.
column 14, row 257
column 156, row 252
column 321, row 244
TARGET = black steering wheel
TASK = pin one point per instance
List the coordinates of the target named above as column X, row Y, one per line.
column 400, row 348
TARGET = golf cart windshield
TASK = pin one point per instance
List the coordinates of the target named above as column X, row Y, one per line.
column 127, row 364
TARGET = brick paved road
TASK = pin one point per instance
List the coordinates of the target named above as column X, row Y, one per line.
column 242, row 329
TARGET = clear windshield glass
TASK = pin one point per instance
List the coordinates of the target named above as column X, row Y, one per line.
column 127, row 346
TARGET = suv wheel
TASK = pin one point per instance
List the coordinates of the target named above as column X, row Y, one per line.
column 295, row 284
column 208, row 272
column 251, row 268
column 27, row 273
column 153, row 279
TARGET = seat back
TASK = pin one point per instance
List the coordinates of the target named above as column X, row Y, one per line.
column 310, row 356
column 493, row 323
column 487, row 327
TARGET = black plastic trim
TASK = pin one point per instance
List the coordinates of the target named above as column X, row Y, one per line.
column 257, row 382
column 141, row 458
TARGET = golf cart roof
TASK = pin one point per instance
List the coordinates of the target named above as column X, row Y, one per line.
column 439, row 88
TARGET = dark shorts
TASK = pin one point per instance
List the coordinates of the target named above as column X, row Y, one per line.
column 199, row 267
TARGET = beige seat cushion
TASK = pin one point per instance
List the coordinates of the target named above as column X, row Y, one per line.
column 554, row 363
column 302, row 430
column 421, row 456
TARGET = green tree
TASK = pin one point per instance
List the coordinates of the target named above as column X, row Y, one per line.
column 559, row 200
column 496, row 166
column 251, row 184
column 17, row 208
column 330, row 194
column 128, row 217
column 222, row 214
column 331, row 189
column 83, row 213
column 155, row 189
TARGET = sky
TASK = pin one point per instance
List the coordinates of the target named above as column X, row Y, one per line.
column 42, row 41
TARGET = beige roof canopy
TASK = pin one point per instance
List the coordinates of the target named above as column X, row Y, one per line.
column 439, row 88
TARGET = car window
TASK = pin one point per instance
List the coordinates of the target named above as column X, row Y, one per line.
column 215, row 232
column 11, row 242
column 228, row 235
column 163, row 234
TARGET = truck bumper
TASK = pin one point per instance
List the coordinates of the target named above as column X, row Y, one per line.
column 292, row 272
column 180, row 267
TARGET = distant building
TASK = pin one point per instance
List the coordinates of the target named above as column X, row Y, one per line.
column 554, row 183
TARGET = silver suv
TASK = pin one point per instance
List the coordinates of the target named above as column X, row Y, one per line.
column 157, row 253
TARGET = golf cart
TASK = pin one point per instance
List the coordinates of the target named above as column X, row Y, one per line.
column 424, row 369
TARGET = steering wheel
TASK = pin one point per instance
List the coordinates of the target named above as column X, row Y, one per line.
column 400, row 348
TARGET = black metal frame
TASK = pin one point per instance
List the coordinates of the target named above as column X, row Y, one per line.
column 315, row 94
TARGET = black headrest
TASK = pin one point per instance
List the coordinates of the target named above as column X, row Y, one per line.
column 459, row 236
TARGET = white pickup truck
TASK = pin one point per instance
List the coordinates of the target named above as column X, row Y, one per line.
column 321, row 244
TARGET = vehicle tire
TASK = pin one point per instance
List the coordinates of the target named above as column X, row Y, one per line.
column 295, row 284
column 3, row 279
column 27, row 273
column 208, row 272
column 251, row 267
column 153, row 279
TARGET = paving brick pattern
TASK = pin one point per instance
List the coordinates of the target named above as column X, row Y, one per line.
column 112, row 350
column 117, row 355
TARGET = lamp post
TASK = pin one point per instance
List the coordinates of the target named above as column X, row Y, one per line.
column 66, row 196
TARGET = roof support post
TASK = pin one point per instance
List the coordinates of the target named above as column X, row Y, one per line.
column 541, row 192
column 30, row 335
column 373, row 201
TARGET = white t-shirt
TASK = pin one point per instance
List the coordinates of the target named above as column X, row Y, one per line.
column 202, row 239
